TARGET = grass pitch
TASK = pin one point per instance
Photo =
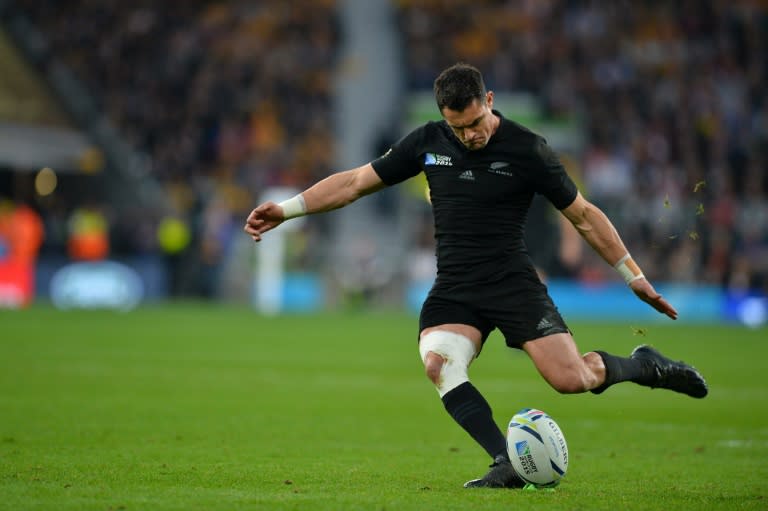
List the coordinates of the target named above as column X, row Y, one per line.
column 189, row 407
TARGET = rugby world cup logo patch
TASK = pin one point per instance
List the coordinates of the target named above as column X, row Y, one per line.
column 437, row 159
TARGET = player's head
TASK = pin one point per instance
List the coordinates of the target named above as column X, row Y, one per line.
column 466, row 105
column 458, row 86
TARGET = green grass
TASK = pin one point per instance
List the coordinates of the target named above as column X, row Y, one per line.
column 191, row 407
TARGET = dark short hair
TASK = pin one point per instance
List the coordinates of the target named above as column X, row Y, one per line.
column 457, row 86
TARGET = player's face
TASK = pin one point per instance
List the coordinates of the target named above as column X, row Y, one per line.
column 474, row 125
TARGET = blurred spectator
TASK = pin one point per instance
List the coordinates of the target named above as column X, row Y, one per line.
column 21, row 235
column 26, row 234
column 6, row 211
column 88, row 234
column 173, row 238
column 218, row 227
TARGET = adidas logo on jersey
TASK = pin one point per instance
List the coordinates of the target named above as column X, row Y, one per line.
column 467, row 175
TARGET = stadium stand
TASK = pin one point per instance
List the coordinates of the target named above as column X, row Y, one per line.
column 227, row 98
column 224, row 98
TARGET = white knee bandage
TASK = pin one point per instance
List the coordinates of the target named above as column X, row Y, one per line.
column 457, row 351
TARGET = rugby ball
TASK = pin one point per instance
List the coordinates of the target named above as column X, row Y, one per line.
column 537, row 448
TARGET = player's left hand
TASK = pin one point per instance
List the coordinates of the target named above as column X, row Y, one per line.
column 645, row 291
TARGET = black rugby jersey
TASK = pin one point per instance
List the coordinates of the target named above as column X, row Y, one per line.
column 480, row 198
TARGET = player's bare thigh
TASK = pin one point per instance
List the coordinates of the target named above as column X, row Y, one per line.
column 558, row 360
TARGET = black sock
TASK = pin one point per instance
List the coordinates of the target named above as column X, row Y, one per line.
column 619, row 369
column 473, row 413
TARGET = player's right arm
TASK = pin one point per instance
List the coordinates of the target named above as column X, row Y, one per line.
column 333, row 192
column 341, row 189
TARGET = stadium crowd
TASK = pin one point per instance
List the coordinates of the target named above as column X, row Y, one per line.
column 225, row 98
column 230, row 97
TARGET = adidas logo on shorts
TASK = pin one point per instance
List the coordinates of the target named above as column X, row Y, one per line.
column 544, row 324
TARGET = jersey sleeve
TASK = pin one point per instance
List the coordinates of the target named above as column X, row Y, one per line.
column 549, row 176
column 402, row 161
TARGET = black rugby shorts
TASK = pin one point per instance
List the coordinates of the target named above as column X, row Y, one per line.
column 521, row 314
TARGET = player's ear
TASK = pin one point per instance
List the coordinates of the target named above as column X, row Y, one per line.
column 489, row 99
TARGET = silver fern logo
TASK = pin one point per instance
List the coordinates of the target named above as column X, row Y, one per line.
column 500, row 167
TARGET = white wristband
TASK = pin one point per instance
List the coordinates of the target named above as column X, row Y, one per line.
column 628, row 269
column 293, row 207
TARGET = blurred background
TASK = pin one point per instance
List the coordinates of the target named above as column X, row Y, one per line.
column 136, row 136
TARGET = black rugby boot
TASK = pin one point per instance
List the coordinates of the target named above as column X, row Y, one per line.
column 501, row 475
column 677, row 376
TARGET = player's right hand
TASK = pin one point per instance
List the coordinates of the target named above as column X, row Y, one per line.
column 265, row 217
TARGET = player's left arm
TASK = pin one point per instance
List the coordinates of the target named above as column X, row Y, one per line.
column 595, row 227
